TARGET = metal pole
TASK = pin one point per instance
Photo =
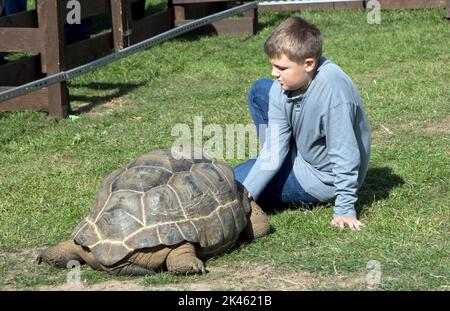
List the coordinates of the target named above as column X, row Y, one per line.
column 75, row 72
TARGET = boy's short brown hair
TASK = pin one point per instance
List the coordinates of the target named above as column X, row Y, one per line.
column 297, row 39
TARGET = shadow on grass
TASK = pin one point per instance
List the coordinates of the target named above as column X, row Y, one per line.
column 120, row 89
column 378, row 184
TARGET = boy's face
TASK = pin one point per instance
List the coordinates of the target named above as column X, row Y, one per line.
column 291, row 75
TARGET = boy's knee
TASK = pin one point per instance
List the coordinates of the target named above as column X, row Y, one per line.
column 261, row 87
column 241, row 170
column 239, row 174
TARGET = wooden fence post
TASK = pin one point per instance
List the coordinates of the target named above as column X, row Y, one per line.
column 120, row 24
column 188, row 10
column 51, row 21
column 448, row 10
column 253, row 15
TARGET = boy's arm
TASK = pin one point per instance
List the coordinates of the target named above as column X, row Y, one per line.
column 273, row 153
column 344, row 154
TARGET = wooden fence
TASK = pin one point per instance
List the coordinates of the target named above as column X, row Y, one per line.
column 448, row 10
column 187, row 10
column 385, row 4
column 41, row 32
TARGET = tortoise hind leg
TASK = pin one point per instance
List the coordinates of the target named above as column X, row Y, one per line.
column 61, row 254
column 183, row 260
column 257, row 223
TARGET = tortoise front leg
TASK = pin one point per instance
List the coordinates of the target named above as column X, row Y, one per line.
column 183, row 260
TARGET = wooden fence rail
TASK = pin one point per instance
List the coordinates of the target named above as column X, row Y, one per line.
column 187, row 10
column 41, row 32
column 448, row 10
column 385, row 4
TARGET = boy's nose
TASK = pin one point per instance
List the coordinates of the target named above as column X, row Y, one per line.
column 275, row 72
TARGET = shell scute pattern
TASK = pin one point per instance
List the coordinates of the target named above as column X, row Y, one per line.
column 108, row 253
column 216, row 181
column 192, row 196
column 104, row 193
column 140, row 179
column 116, row 224
column 160, row 200
column 161, row 206
column 86, row 234
column 169, row 234
column 143, row 238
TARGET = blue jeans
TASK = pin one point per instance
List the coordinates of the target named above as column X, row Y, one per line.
column 14, row 6
column 284, row 188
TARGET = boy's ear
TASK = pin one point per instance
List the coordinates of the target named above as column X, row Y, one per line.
column 310, row 64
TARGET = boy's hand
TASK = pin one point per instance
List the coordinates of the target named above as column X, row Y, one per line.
column 352, row 222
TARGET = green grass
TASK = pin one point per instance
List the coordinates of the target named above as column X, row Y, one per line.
column 50, row 169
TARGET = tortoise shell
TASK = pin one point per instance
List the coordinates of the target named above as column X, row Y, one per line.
column 160, row 199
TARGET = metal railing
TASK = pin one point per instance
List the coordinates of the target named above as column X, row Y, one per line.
column 75, row 72
column 263, row 3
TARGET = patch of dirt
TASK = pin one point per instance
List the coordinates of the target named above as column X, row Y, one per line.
column 104, row 108
column 444, row 59
column 249, row 276
column 61, row 158
column 22, row 255
column 371, row 78
column 112, row 285
column 113, row 104
column 21, row 260
column 381, row 133
column 252, row 277
column 441, row 127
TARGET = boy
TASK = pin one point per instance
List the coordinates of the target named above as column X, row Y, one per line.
column 317, row 145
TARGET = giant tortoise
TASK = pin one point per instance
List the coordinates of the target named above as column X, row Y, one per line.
column 162, row 211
